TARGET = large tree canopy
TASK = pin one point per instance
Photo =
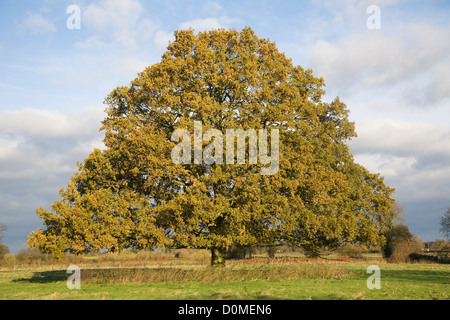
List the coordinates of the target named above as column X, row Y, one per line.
column 133, row 195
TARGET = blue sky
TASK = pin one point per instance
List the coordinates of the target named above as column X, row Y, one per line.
column 53, row 80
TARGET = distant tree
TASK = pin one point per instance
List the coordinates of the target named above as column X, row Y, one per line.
column 436, row 244
column 3, row 228
column 133, row 195
column 394, row 236
column 3, row 248
column 445, row 224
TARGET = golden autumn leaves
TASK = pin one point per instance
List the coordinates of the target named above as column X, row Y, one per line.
column 133, row 195
column 214, row 152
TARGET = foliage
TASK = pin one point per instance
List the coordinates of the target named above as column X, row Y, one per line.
column 403, row 250
column 132, row 195
column 4, row 250
column 400, row 243
column 438, row 244
column 33, row 257
column 395, row 235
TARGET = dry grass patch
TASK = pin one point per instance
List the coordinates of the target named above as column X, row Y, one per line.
column 214, row 274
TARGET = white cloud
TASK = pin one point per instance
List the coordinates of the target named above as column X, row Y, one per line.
column 162, row 39
column 439, row 86
column 40, row 124
column 212, row 8
column 38, row 146
column 390, row 166
column 202, row 24
column 37, row 24
column 90, row 43
column 205, row 24
column 130, row 65
column 112, row 14
column 401, row 138
column 32, row 136
column 8, row 147
column 371, row 60
column 121, row 29
column 413, row 157
column 412, row 184
column 119, row 20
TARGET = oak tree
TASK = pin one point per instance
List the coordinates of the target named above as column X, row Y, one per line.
column 133, row 195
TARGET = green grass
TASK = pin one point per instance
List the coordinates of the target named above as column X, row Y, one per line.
column 299, row 280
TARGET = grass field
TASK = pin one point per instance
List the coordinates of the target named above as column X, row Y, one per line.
column 258, row 278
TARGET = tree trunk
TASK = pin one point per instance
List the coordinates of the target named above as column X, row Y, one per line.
column 218, row 256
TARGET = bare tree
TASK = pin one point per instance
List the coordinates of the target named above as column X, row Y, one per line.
column 3, row 227
column 445, row 224
column 3, row 248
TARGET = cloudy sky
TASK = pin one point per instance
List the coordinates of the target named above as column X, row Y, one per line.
column 390, row 66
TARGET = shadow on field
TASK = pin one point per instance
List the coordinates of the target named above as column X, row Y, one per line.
column 197, row 274
column 98, row 275
column 45, row 277
column 121, row 275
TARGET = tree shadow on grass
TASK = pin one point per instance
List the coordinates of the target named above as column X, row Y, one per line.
column 113, row 275
column 49, row 276
column 45, row 277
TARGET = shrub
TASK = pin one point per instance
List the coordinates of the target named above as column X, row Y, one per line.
column 394, row 236
column 402, row 251
column 33, row 257
column 4, row 250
